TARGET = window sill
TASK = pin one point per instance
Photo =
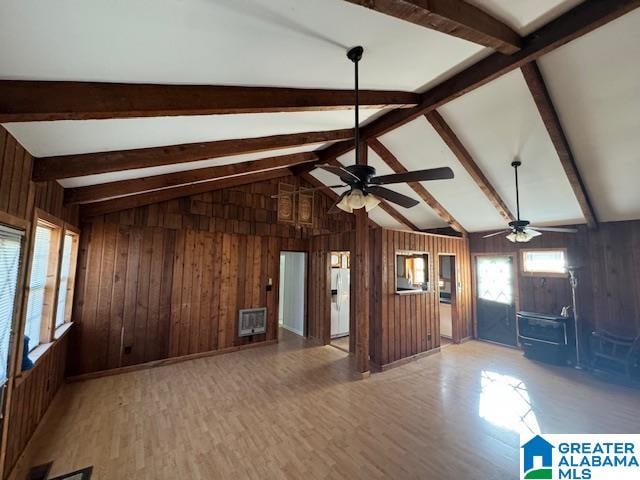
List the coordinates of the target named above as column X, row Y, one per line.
column 545, row 274
column 37, row 353
column 41, row 350
column 413, row 292
column 61, row 330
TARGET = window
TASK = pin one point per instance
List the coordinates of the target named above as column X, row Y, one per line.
column 65, row 285
column 544, row 262
column 10, row 248
column 412, row 272
column 495, row 279
column 37, row 285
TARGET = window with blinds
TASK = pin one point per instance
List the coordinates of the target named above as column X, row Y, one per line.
column 63, row 289
column 10, row 248
column 37, row 285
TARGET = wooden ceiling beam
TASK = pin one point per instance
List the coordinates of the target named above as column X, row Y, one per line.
column 384, row 205
column 453, row 17
column 102, row 191
column 32, row 101
column 466, row 160
column 549, row 115
column 67, row 166
column 578, row 21
column 157, row 196
column 390, row 159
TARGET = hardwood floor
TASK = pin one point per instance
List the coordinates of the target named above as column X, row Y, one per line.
column 341, row 343
column 292, row 411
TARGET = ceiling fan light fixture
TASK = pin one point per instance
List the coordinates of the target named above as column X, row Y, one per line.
column 344, row 204
column 371, row 202
column 356, row 199
column 520, row 237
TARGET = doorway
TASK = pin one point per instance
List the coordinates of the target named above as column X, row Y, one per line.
column 448, row 298
column 340, row 299
column 292, row 288
column 495, row 299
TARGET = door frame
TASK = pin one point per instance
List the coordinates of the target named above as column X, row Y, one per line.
column 456, row 336
column 305, row 323
column 474, row 283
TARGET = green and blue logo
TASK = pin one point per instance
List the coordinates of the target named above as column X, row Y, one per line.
column 537, row 448
column 580, row 457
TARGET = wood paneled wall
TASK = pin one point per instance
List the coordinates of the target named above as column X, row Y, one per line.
column 247, row 210
column 405, row 325
column 32, row 395
column 167, row 280
column 608, row 275
column 146, row 294
column 29, row 395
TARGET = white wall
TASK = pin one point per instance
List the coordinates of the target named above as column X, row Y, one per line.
column 292, row 291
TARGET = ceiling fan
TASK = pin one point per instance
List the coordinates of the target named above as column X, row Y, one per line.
column 365, row 188
column 519, row 230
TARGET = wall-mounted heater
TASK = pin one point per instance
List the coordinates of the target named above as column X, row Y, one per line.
column 252, row 321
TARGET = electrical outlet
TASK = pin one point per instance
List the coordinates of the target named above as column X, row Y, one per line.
column 127, row 349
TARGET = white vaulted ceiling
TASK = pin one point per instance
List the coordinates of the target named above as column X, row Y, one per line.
column 418, row 146
column 595, row 85
column 499, row 122
column 593, row 82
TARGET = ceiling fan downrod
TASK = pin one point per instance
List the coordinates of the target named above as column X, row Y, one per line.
column 355, row 55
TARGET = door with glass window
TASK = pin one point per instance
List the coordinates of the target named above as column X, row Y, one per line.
column 495, row 299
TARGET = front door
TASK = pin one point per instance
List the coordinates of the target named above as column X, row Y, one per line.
column 496, row 300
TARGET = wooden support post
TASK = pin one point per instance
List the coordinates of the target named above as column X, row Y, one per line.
column 360, row 279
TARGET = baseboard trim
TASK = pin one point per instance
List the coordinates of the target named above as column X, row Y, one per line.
column 166, row 361
column 412, row 358
column 466, row 339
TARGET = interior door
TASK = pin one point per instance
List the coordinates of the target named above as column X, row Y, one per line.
column 495, row 299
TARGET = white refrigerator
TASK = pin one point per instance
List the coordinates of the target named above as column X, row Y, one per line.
column 340, row 284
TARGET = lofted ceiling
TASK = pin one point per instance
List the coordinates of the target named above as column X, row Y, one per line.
column 598, row 103
column 592, row 81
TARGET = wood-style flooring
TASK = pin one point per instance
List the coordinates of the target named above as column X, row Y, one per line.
column 341, row 343
column 293, row 411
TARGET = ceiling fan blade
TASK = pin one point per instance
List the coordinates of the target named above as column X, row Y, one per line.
column 532, row 232
column 443, row 173
column 345, row 175
column 555, row 229
column 497, row 233
column 393, row 197
column 334, row 208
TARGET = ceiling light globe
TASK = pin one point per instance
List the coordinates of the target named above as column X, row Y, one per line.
column 357, row 199
column 371, row 202
column 344, row 204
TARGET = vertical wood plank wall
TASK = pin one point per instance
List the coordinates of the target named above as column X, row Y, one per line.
column 405, row 325
column 168, row 279
column 608, row 275
column 32, row 396
column 30, row 393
